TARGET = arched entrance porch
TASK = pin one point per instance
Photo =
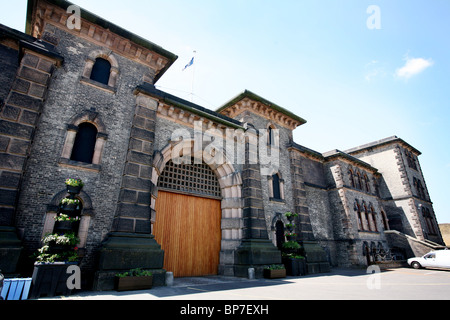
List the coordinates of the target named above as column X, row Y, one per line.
column 189, row 210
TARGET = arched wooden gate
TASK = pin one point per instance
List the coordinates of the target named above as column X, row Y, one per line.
column 188, row 220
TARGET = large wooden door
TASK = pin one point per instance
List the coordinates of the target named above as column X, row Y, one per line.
column 188, row 229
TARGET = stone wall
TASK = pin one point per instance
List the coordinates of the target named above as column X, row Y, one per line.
column 399, row 165
column 69, row 97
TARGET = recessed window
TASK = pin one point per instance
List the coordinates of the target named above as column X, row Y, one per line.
column 273, row 136
column 276, row 186
column 84, row 146
column 101, row 71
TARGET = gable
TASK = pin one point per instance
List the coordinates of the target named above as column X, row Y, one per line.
column 248, row 101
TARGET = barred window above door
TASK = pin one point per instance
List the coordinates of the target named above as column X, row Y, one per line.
column 196, row 179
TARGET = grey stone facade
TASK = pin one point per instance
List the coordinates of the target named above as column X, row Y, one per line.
column 345, row 200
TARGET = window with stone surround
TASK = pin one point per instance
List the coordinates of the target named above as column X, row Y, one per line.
column 273, row 136
column 101, row 70
column 84, row 145
column 373, row 218
column 352, row 177
column 420, row 190
column 85, row 141
column 366, row 216
column 358, row 180
column 426, row 213
column 276, row 187
column 359, row 215
column 411, row 160
column 366, row 183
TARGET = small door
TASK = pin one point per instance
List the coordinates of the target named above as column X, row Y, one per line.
column 188, row 228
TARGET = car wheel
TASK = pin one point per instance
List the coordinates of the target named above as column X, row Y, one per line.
column 416, row 265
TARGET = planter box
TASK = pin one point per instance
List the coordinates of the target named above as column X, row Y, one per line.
column 73, row 190
column 133, row 283
column 50, row 279
column 66, row 226
column 295, row 267
column 274, row 274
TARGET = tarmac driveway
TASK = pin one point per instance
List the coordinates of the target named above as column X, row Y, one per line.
column 339, row 284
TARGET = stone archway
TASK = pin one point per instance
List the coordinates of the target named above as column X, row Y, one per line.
column 230, row 182
column 86, row 215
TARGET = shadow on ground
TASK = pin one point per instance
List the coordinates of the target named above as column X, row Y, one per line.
column 190, row 286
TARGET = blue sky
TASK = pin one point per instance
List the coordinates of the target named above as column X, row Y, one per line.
column 317, row 58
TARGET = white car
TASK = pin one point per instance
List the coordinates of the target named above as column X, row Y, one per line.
column 434, row 259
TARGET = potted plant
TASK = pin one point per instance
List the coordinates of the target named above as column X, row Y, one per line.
column 74, row 186
column 52, row 261
column 65, row 223
column 290, row 227
column 275, row 272
column 59, row 250
column 291, row 216
column 135, row 279
column 61, row 245
column 68, row 205
column 295, row 264
column 290, row 236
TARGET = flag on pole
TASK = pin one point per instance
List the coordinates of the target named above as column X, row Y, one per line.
column 189, row 64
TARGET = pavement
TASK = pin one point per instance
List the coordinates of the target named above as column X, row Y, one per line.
column 339, row 284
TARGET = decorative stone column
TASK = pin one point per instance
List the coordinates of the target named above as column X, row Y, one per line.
column 18, row 119
column 256, row 250
column 131, row 244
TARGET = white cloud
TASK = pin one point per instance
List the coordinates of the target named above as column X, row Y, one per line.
column 413, row 66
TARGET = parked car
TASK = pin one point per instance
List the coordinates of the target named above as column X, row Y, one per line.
column 434, row 259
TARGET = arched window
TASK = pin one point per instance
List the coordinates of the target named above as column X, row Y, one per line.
column 421, row 190
column 373, row 215
column 359, row 215
column 411, row 160
column 359, row 182
column 366, row 183
column 352, row 178
column 85, row 141
column 366, row 217
column 276, row 185
column 84, row 146
column 429, row 220
column 273, row 136
column 101, row 71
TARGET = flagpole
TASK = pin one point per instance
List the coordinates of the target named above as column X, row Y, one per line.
column 193, row 80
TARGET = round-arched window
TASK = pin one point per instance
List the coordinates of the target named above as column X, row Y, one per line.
column 84, row 146
column 101, row 71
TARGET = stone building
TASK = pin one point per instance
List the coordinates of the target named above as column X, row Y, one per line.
column 170, row 185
